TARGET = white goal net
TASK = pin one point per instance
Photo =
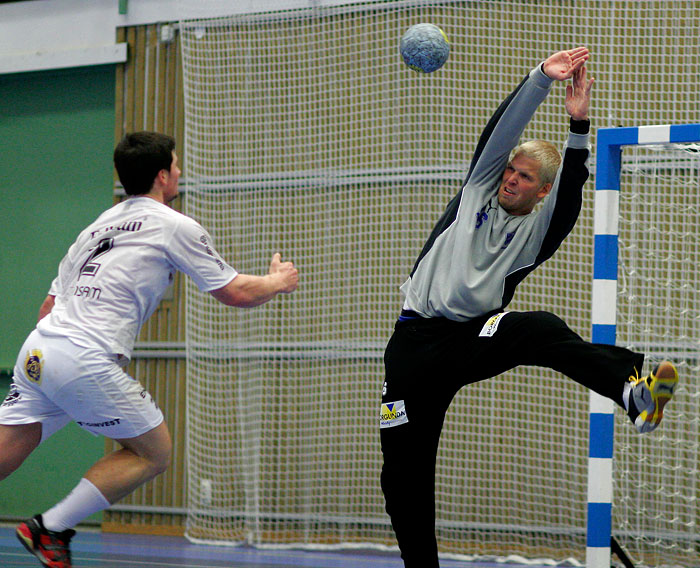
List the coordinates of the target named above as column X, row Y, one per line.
column 307, row 135
column 657, row 487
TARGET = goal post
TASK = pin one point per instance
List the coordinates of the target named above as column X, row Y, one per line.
column 609, row 146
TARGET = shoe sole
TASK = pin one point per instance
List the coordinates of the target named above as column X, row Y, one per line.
column 661, row 384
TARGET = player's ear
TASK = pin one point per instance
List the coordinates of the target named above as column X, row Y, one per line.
column 162, row 176
column 544, row 190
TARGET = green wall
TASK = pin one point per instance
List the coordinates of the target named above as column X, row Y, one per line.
column 56, row 142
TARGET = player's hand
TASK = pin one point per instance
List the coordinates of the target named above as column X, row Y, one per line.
column 578, row 95
column 564, row 64
column 284, row 273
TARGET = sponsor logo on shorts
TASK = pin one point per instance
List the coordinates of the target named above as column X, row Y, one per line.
column 33, row 365
column 145, row 394
column 491, row 325
column 104, row 424
column 12, row 397
column 393, row 414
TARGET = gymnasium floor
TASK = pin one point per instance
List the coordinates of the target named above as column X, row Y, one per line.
column 94, row 549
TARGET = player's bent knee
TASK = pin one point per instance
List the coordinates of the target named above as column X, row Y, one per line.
column 162, row 461
column 9, row 464
column 547, row 320
column 155, row 446
column 6, row 469
column 16, row 443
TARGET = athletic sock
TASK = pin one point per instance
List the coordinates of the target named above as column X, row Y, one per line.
column 83, row 501
column 626, row 390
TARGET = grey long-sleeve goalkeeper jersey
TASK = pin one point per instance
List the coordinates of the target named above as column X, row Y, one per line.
column 478, row 253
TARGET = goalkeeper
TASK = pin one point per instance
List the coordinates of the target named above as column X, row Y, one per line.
column 70, row 367
column 453, row 329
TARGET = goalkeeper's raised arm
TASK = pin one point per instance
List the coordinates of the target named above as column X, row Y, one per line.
column 578, row 95
column 506, row 125
column 562, row 65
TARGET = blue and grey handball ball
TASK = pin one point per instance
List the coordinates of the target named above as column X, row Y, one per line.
column 424, row 48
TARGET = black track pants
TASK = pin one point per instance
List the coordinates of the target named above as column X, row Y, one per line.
column 428, row 360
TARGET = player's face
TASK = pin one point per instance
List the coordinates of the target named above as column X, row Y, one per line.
column 521, row 187
column 170, row 190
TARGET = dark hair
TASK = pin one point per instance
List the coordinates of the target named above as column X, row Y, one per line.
column 139, row 157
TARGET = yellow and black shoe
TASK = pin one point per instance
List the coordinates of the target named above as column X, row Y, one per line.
column 649, row 395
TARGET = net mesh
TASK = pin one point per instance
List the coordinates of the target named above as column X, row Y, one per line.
column 306, row 134
column 656, row 476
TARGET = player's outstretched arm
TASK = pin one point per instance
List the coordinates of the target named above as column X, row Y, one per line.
column 578, row 95
column 563, row 64
column 248, row 291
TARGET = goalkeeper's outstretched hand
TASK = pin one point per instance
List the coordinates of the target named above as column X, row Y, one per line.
column 563, row 64
column 578, row 95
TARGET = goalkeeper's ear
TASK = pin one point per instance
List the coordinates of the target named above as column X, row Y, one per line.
column 544, row 191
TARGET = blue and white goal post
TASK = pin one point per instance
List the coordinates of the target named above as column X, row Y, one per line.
column 605, row 268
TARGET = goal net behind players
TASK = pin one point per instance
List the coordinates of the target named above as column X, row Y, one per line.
column 656, row 486
column 307, row 135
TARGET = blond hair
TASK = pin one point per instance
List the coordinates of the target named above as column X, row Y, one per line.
column 543, row 152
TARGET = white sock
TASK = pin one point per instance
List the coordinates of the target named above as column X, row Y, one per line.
column 83, row 501
column 626, row 390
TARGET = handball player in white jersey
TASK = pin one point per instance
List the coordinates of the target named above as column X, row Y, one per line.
column 71, row 366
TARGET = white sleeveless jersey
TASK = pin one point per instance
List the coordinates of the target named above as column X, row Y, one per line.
column 118, row 269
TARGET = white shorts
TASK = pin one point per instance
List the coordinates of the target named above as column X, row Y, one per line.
column 56, row 381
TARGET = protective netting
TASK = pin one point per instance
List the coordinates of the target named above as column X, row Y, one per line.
column 656, row 477
column 306, row 134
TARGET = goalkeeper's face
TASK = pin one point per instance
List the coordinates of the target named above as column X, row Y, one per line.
column 521, row 187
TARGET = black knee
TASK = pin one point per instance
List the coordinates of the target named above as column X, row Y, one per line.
column 546, row 324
